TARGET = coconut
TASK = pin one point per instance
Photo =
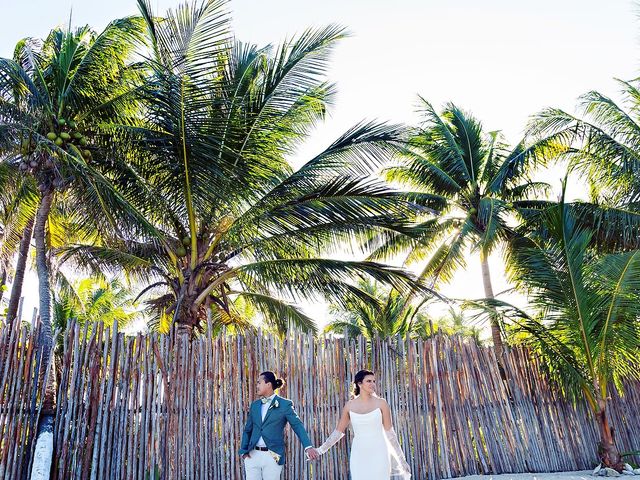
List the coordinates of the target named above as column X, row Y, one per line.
column 52, row 136
column 186, row 241
column 181, row 251
column 473, row 211
column 33, row 164
column 65, row 136
column 24, row 167
column 59, row 141
column 86, row 153
column 48, row 164
column 83, row 142
column 62, row 122
column 72, row 124
column 77, row 135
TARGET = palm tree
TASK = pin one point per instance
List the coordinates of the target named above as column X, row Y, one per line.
column 54, row 97
column 603, row 147
column 383, row 313
column 453, row 323
column 586, row 308
column 233, row 222
column 18, row 203
column 476, row 182
column 93, row 300
column 386, row 313
column 88, row 302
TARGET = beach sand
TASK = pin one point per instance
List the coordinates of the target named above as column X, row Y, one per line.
column 584, row 475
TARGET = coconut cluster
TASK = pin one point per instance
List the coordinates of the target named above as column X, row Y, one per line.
column 67, row 134
column 181, row 251
column 30, row 163
column 64, row 135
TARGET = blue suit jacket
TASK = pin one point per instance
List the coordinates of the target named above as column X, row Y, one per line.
column 272, row 428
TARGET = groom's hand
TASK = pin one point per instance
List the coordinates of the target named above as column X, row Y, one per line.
column 246, row 455
column 313, row 454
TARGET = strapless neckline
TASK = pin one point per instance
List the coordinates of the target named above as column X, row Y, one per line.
column 368, row 413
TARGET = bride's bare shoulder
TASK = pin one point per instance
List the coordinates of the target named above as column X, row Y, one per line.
column 382, row 402
column 346, row 410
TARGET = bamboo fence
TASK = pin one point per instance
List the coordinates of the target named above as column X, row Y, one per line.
column 21, row 394
column 164, row 407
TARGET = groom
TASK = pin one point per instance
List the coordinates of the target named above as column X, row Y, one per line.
column 262, row 445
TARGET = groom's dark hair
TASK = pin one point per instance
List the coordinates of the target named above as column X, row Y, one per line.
column 270, row 377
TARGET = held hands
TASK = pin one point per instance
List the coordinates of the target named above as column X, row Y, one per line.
column 313, row 454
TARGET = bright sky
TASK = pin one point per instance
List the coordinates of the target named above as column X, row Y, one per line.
column 501, row 59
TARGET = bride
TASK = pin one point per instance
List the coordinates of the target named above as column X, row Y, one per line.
column 375, row 452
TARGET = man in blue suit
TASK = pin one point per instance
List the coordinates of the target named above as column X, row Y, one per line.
column 262, row 447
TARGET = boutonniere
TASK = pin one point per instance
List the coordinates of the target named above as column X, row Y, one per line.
column 274, row 404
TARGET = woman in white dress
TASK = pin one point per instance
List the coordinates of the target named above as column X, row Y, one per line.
column 375, row 451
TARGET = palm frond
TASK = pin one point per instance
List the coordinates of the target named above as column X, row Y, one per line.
column 321, row 278
column 281, row 315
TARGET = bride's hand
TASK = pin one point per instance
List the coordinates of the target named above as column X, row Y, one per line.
column 313, row 454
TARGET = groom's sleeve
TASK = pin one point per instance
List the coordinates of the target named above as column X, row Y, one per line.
column 297, row 426
column 246, row 435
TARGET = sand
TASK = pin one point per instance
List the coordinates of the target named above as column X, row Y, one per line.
column 585, row 475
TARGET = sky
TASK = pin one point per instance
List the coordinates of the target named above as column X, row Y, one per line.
column 503, row 60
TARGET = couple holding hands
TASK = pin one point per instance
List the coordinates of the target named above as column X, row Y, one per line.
column 375, row 452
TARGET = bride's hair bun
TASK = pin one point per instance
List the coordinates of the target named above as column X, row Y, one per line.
column 270, row 377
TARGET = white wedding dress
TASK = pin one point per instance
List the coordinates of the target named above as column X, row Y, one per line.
column 370, row 457
column 375, row 452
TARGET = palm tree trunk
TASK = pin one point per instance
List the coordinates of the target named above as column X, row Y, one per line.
column 495, row 324
column 44, row 444
column 609, row 454
column 42, row 266
column 21, row 267
column 184, row 330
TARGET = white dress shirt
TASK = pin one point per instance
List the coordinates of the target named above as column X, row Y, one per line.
column 265, row 409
